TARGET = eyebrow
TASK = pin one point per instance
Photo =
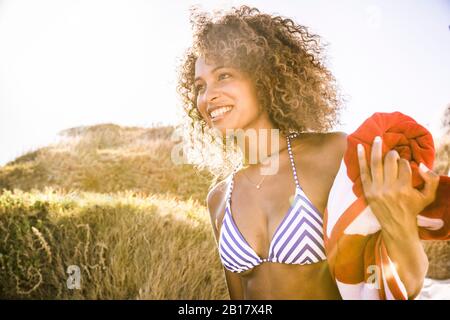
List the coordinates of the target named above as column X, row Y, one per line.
column 212, row 71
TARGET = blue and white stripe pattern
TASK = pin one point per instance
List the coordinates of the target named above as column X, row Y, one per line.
column 297, row 240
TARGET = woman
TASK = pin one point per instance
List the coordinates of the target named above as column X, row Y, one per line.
column 253, row 72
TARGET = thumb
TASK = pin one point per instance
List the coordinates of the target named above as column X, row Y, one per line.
column 431, row 183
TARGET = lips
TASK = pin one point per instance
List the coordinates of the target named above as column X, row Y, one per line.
column 219, row 112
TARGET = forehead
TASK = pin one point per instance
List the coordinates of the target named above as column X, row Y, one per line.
column 203, row 67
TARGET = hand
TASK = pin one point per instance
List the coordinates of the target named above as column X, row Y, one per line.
column 389, row 192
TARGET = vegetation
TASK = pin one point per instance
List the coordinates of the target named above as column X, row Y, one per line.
column 109, row 200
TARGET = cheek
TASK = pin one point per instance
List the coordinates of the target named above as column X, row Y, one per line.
column 201, row 108
column 250, row 102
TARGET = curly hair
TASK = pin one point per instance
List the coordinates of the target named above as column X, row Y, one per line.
column 282, row 59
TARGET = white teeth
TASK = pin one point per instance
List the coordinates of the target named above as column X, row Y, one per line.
column 220, row 111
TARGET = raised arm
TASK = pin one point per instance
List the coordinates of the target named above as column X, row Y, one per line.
column 396, row 203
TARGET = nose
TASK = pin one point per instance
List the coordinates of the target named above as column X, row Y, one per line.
column 211, row 93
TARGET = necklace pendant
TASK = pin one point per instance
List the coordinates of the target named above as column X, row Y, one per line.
column 258, row 186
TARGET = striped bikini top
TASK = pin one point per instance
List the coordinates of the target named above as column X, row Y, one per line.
column 297, row 240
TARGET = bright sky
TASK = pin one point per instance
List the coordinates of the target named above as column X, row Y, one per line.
column 71, row 63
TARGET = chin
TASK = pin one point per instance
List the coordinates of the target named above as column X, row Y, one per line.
column 222, row 127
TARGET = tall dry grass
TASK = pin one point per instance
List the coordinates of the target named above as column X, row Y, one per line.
column 126, row 246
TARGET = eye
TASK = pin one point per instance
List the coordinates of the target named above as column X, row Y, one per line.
column 198, row 87
column 225, row 74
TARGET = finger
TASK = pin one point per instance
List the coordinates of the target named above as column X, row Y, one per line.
column 404, row 172
column 431, row 183
column 363, row 168
column 376, row 162
column 391, row 167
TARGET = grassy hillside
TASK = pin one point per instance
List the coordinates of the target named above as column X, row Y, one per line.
column 107, row 158
column 109, row 200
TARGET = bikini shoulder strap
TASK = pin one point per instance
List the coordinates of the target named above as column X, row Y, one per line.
column 291, row 156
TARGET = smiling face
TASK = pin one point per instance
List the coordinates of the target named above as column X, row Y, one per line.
column 226, row 98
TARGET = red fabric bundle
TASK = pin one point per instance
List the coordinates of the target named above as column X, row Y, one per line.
column 353, row 243
column 414, row 143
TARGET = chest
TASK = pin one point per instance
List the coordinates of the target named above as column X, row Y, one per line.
column 258, row 213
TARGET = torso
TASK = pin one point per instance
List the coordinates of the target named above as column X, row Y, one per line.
column 258, row 213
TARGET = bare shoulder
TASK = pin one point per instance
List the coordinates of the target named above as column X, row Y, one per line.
column 330, row 143
column 335, row 141
column 333, row 149
column 215, row 201
column 329, row 148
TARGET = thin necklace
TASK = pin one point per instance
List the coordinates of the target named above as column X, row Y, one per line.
column 258, row 185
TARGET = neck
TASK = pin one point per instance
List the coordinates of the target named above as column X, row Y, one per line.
column 260, row 143
column 261, row 151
